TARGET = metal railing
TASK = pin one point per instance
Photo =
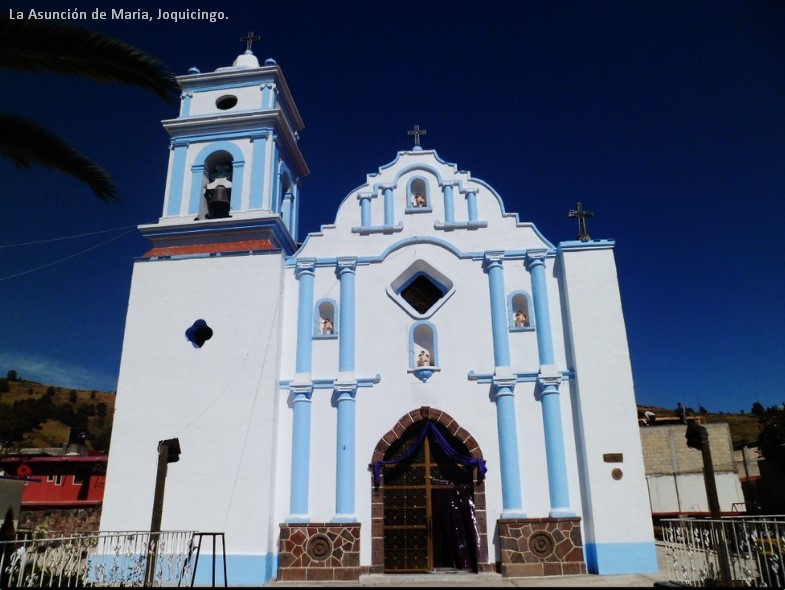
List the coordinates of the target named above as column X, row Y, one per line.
column 737, row 551
column 108, row 559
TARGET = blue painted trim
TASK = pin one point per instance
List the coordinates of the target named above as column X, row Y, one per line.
column 590, row 245
column 286, row 384
column 415, row 210
column 345, row 457
column 551, row 407
column 241, row 570
column 365, row 210
column 185, row 105
column 305, row 276
column 486, row 378
column 471, row 204
column 460, row 225
column 346, row 343
column 449, row 205
column 301, row 458
column 176, row 182
column 536, row 267
column 389, row 208
column 509, row 463
column 257, row 197
column 197, row 138
column 501, row 344
column 378, row 229
column 621, row 558
column 256, row 81
column 558, row 486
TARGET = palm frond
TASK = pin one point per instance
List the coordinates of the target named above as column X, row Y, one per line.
column 51, row 46
column 26, row 143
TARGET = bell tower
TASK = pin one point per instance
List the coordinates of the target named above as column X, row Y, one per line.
column 203, row 328
column 235, row 164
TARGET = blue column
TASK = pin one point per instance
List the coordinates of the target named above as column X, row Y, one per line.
column 365, row 210
column 346, row 340
column 389, row 207
column 256, row 198
column 512, row 499
column 176, row 180
column 287, row 208
column 345, row 393
column 197, row 189
column 471, row 203
column 449, row 205
column 301, row 448
column 305, row 274
column 302, row 390
column 549, row 380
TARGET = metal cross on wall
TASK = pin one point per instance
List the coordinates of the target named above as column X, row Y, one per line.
column 249, row 40
column 583, row 235
column 417, row 132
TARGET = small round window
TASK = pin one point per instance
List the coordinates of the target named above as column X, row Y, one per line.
column 226, row 102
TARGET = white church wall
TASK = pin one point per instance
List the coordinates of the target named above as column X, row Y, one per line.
column 606, row 415
column 218, row 400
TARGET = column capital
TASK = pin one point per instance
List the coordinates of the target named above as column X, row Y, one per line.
column 346, row 264
column 305, row 266
column 535, row 258
column 491, row 259
column 366, row 196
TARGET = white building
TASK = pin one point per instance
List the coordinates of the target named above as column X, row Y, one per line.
column 426, row 384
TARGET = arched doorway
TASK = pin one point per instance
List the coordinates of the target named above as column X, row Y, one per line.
column 425, row 497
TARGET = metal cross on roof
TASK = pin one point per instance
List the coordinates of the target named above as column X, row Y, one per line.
column 249, row 40
column 583, row 235
column 417, row 132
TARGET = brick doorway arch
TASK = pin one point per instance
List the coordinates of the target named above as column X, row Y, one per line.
column 377, row 492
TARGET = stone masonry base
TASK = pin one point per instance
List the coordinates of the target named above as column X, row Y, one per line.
column 319, row 551
column 541, row 547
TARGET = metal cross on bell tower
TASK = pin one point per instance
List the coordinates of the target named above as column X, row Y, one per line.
column 583, row 235
column 249, row 40
column 417, row 132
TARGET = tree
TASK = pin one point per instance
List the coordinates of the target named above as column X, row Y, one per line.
column 757, row 409
column 772, row 436
column 4, row 387
column 50, row 46
column 72, row 396
column 12, row 375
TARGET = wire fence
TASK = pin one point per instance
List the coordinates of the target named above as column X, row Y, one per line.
column 107, row 559
column 734, row 551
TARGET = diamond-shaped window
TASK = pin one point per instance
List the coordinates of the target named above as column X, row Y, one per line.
column 420, row 289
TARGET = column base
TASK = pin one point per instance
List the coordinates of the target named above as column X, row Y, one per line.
column 541, row 547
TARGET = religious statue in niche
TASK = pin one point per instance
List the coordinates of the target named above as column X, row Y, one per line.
column 219, row 192
column 418, row 200
column 423, row 359
column 520, row 319
column 327, row 326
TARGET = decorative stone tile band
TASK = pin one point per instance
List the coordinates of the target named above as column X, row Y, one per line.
column 319, row 551
column 541, row 547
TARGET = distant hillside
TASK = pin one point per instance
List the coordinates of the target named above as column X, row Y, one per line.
column 37, row 415
column 743, row 427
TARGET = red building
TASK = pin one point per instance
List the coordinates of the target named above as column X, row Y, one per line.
column 64, row 492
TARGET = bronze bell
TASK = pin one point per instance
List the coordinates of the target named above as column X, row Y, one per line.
column 217, row 202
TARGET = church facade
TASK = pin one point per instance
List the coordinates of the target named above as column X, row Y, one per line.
column 426, row 384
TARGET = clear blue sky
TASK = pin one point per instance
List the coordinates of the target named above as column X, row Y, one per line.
column 667, row 119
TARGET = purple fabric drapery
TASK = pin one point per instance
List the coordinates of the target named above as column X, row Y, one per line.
column 443, row 443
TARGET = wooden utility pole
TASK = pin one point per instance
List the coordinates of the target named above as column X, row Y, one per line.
column 168, row 452
column 698, row 438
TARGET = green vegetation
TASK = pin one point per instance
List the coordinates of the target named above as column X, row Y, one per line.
column 40, row 415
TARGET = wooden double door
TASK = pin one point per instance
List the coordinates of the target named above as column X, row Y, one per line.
column 429, row 517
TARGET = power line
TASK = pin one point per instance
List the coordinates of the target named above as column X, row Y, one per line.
column 58, row 261
column 103, row 231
